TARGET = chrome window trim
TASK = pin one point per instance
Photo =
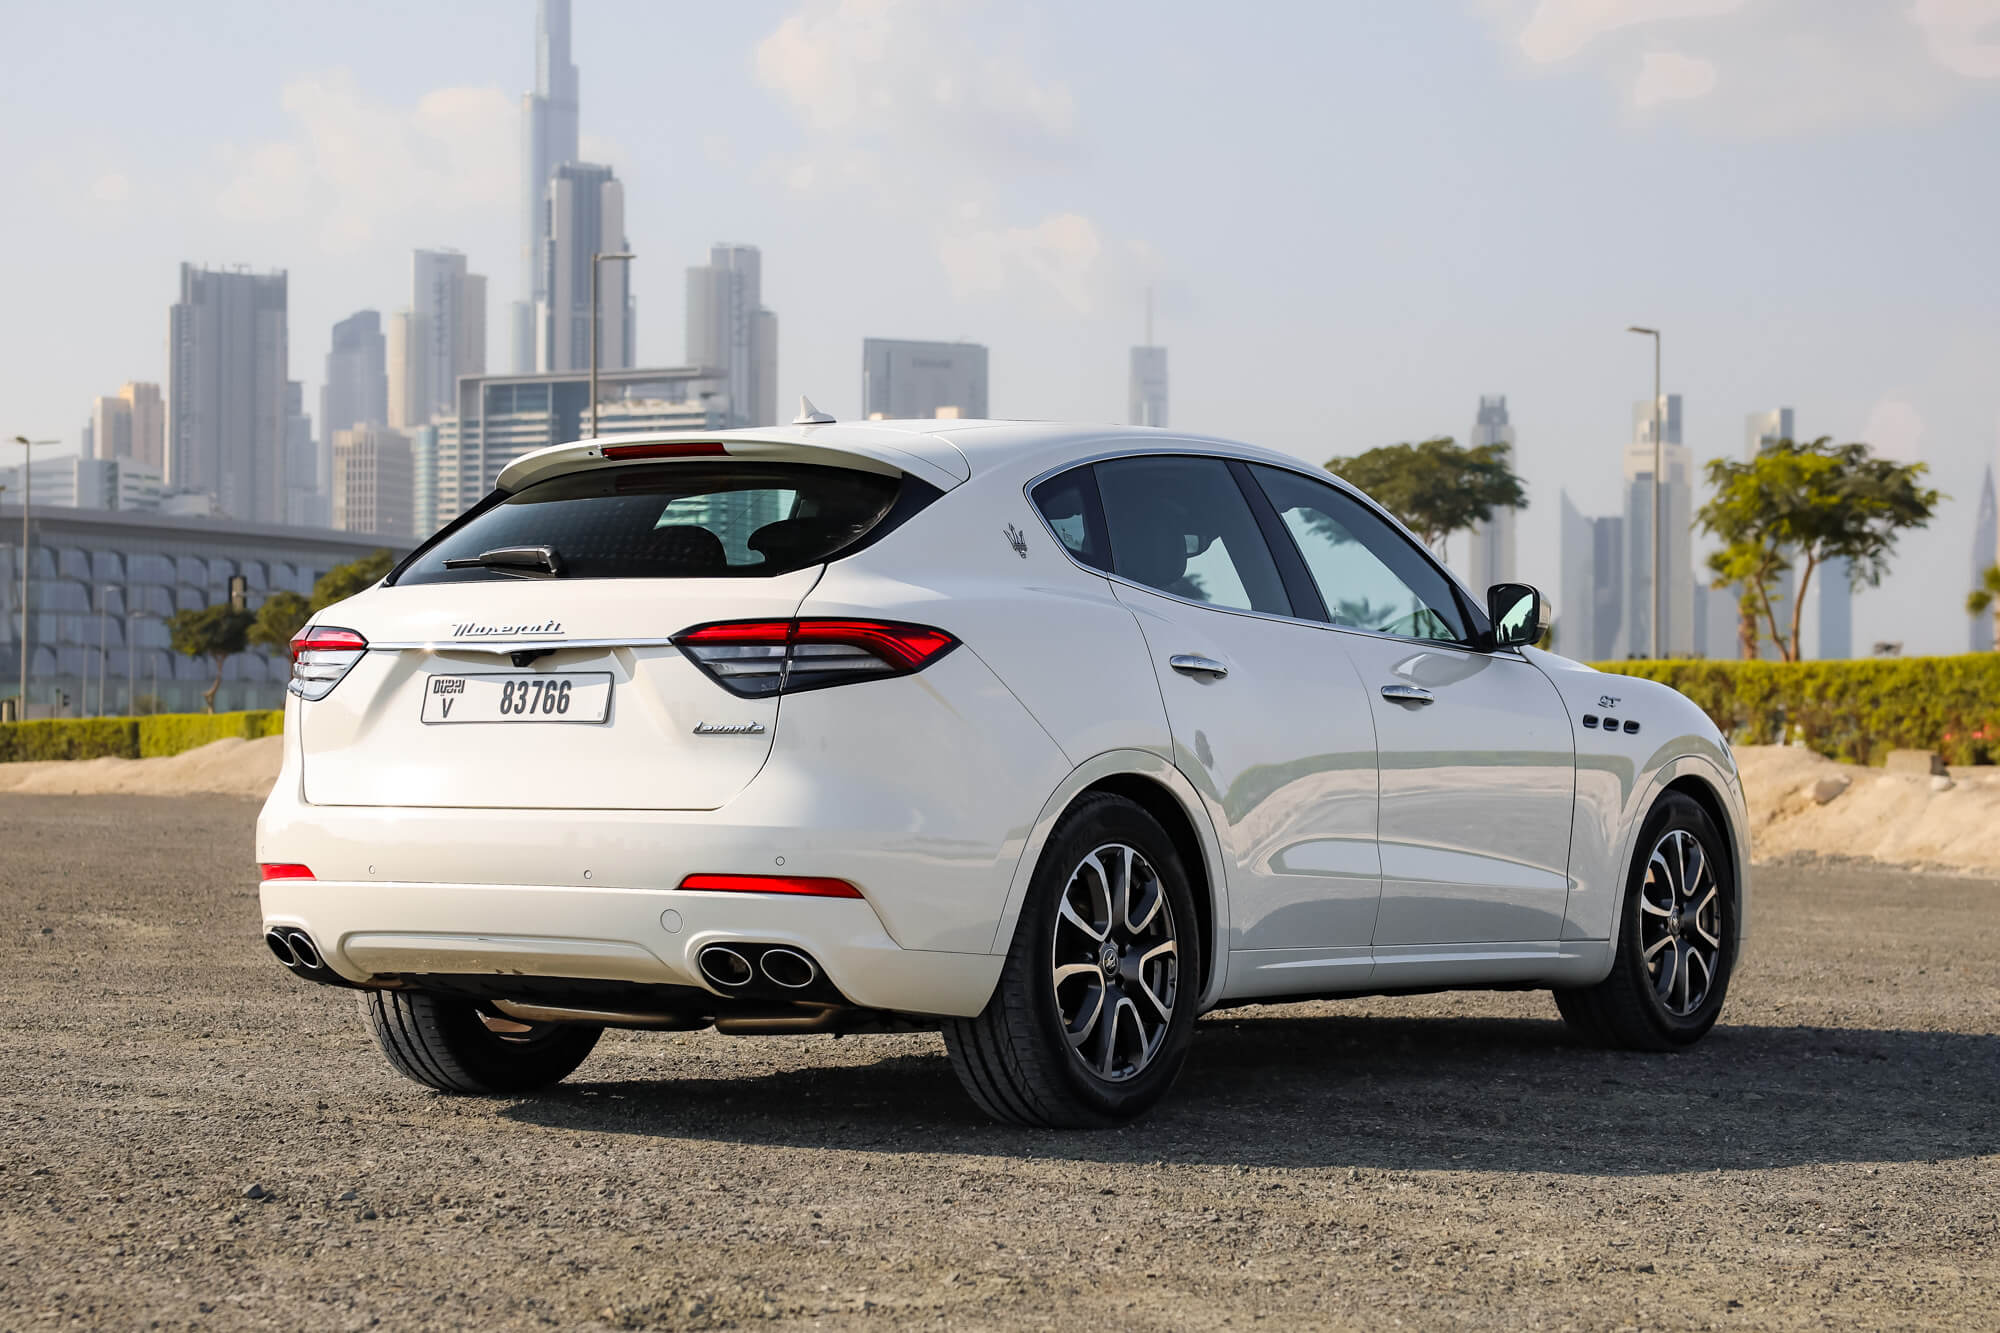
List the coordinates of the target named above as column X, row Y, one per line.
column 1210, row 450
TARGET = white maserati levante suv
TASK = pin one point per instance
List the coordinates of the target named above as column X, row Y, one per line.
column 1049, row 737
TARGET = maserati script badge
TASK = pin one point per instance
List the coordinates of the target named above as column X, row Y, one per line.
column 729, row 728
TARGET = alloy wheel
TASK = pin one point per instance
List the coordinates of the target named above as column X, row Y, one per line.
column 1115, row 962
column 1680, row 922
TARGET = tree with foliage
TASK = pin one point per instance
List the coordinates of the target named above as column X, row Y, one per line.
column 344, row 581
column 216, row 632
column 1986, row 597
column 279, row 620
column 1797, row 506
column 1437, row 487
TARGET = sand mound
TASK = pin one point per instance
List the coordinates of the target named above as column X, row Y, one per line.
column 232, row 767
column 1893, row 817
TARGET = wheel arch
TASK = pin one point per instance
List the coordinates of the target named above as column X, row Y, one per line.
column 1157, row 787
column 1699, row 779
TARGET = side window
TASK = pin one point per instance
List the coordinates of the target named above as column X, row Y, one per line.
column 1069, row 503
column 1370, row 575
column 1181, row 525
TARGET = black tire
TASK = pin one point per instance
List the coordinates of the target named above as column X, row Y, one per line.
column 1016, row 1058
column 1638, row 1006
column 443, row 1043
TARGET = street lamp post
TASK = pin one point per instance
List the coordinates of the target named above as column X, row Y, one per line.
column 131, row 662
column 102, row 626
column 1654, row 334
column 28, row 448
column 595, row 261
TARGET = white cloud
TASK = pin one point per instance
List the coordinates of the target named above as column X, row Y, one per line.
column 1060, row 253
column 1767, row 67
column 113, row 187
column 1963, row 35
column 907, row 69
column 1559, row 29
column 930, row 111
column 1895, row 429
column 355, row 164
column 1668, row 76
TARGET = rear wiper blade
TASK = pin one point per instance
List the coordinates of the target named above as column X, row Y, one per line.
column 528, row 562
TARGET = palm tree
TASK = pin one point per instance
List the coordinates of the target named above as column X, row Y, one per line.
column 1986, row 597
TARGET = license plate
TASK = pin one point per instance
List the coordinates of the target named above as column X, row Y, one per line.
column 573, row 697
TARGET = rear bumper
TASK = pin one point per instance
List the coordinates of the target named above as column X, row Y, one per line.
column 637, row 935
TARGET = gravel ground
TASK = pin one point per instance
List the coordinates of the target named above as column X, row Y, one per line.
column 194, row 1139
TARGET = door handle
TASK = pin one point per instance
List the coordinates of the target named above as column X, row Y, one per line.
column 1194, row 664
column 1407, row 694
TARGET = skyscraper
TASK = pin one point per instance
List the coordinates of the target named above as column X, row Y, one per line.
column 548, row 141
column 356, row 391
column 1836, row 610
column 903, row 380
column 110, row 428
column 1146, row 394
column 729, row 329
column 586, row 216
column 1676, row 505
column 453, row 304
column 1985, row 554
column 149, row 422
column 409, row 369
column 1491, row 558
column 227, row 352
column 374, row 483
column 423, row 488
column 1592, row 553
column 305, row 502
column 1146, row 391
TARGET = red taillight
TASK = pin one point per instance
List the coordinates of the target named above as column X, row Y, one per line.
column 679, row 449
column 321, row 655
column 281, row 870
column 758, row 658
column 811, row 886
column 316, row 638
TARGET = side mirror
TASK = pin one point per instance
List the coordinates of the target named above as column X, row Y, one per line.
column 1520, row 614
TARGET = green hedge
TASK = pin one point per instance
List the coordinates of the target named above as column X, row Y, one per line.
column 130, row 738
column 1856, row 710
column 171, row 733
column 70, row 738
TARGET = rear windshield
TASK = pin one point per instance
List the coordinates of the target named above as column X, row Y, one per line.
column 669, row 521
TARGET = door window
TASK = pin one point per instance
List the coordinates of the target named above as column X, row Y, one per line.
column 1370, row 575
column 1181, row 525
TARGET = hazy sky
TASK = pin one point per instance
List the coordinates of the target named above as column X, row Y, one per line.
column 1359, row 216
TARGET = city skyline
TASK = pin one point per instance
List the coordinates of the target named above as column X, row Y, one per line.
column 1046, row 237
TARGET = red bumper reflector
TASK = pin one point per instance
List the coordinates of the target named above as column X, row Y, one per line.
column 809, row 885
column 679, row 449
column 274, row 870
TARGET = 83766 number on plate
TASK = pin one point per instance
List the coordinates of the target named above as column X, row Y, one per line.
column 555, row 697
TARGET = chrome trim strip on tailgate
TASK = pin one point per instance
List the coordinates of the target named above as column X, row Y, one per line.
column 500, row 647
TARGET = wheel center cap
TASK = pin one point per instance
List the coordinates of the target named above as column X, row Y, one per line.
column 1107, row 959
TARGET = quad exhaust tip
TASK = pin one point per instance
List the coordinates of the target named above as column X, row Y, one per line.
column 305, row 951
column 294, row 948
column 788, row 968
column 725, row 967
